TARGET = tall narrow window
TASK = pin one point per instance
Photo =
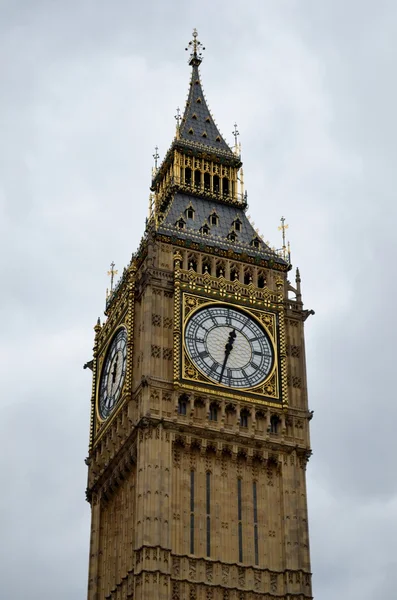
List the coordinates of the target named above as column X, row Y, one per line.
column 208, row 511
column 182, row 406
column 244, row 418
column 274, row 423
column 191, row 512
column 213, row 412
column 216, row 183
column 240, row 524
column 255, row 523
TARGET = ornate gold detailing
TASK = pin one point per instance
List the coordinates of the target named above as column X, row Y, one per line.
column 177, row 315
column 95, row 372
column 219, row 287
column 196, row 49
column 112, row 273
column 275, row 388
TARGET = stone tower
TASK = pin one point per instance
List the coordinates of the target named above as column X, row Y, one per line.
column 200, row 423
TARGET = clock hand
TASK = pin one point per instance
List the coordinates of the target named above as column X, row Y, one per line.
column 114, row 373
column 228, row 349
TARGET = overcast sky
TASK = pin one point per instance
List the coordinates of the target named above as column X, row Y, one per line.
column 88, row 88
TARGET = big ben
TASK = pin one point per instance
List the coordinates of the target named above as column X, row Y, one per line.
column 199, row 434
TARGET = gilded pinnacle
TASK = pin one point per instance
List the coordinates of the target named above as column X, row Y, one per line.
column 196, row 48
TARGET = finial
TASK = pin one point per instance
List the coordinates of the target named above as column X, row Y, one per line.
column 236, row 133
column 97, row 327
column 112, row 273
column 178, row 116
column 178, row 121
column 298, row 285
column 282, row 228
column 156, row 157
column 196, row 46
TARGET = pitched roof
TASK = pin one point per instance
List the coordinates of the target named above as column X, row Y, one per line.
column 197, row 123
column 218, row 234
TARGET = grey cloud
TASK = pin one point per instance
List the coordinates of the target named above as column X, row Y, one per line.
column 87, row 90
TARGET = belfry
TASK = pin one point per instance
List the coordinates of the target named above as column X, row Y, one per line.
column 199, row 434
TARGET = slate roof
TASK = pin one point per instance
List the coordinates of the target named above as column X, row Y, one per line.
column 218, row 234
column 197, row 123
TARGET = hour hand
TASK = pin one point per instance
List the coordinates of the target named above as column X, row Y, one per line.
column 228, row 349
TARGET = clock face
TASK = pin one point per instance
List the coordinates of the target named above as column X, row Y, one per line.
column 113, row 374
column 229, row 346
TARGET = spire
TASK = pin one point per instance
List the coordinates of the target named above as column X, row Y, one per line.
column 197, row 125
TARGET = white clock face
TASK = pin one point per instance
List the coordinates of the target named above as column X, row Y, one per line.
column 113, row 374
column 229, row 346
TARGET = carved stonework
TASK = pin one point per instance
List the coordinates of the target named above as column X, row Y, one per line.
column 196, row 487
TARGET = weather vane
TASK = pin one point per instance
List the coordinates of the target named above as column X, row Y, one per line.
column 156, row 157
column 236, row 133
column 112, row 273
column 196, row 55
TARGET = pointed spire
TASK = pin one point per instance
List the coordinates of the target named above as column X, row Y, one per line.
column 197, row 125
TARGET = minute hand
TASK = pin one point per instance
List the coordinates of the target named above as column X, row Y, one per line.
column 228, row 349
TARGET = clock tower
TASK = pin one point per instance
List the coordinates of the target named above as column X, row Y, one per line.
column 200, row 423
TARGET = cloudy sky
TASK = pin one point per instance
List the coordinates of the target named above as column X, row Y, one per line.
column 88, row 88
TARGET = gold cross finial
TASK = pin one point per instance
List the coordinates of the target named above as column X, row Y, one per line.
column 196, row 46
column 112, row 273
column 282, row 228
column 286, row 254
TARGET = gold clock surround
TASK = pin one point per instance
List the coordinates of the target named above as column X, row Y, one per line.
column 101, row 362
column 192, row 292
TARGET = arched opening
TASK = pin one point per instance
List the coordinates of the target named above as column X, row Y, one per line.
column 234, row 274
column 247, row 276
column 261, row 280
column 216, row 184
column 213, row 412
column 274, row 424
column 192, row 262
column 244, row 414
column 225, row 186
column 197, row 178
column 220, row 269
column 207, row 266
column 188, row 176
column 182, row 405
column 207, row 181
column 213, row 219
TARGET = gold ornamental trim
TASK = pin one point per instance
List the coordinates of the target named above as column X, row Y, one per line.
column 192, row 291
column 102, row 357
